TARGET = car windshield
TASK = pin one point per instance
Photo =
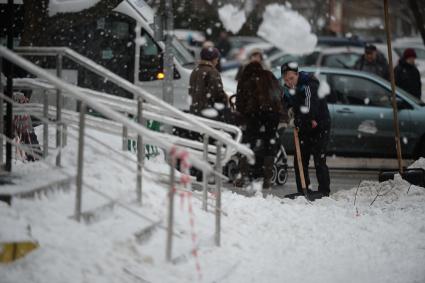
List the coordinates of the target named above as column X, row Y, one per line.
column 340, row 60
column 181, row 53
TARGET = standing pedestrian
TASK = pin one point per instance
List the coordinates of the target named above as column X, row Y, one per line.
column 223, row 45
column 312, row 119
column 407, row 76
column 258, row 100
column 373, row 62
column 206, row 88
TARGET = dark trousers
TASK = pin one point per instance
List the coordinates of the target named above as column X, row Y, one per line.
column 260, row 134
column 315, row 143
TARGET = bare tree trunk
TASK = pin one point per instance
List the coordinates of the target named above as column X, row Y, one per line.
column 418, row 11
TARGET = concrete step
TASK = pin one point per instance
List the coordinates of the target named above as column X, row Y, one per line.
column 32, row 183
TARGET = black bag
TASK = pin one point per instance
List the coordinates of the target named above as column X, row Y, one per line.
column 415, row 176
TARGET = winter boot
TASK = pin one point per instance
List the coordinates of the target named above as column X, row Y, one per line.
column 244, row 172
column 268, row 172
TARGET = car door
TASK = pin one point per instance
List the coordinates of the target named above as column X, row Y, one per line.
column 363, row 122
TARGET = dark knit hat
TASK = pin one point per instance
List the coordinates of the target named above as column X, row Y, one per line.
column 289, row 66
column 408, row 53
column 369, row 48
column 209, row 53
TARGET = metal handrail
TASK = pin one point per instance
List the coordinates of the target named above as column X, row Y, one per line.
column 152, row 112
column 104, row 110
column 171, row 149
column 136, row 90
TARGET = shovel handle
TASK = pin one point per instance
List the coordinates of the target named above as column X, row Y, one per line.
column 299, row 160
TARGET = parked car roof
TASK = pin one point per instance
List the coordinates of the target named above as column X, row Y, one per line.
column 339, row 41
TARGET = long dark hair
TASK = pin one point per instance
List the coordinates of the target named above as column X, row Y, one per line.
column 253, row 69
column 268, row 92
column 246, row 98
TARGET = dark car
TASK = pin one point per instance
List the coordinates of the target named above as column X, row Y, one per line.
column 362, row 115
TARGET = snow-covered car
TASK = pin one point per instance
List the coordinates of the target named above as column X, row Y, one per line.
column 335, row 57
column 362, row 115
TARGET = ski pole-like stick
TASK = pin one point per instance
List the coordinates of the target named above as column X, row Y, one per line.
column 300, row 162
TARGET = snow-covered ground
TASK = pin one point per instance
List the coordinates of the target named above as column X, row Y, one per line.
column 353, row 236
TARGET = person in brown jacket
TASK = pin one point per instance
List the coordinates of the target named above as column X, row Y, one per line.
column 206, row 88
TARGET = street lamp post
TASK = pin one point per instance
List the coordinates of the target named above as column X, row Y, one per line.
column 9, row 87
column 168, row 54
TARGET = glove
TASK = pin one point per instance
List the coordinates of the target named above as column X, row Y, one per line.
column 283, row 125
column 291, row 113
column 292, row 123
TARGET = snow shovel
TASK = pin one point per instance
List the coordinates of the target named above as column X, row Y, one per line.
column 300, row 167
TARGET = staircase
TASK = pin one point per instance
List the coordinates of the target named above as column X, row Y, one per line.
column 66, row 124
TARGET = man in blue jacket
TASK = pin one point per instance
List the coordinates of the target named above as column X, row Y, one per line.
column 311, row 117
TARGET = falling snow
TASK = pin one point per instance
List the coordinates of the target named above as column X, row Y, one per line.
column 287, row 30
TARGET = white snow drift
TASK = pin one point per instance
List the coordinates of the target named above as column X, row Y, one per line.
column 373, row 233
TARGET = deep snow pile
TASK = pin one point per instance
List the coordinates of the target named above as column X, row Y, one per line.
column 373, row 233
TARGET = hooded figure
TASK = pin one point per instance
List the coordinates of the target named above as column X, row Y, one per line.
column 407, row 76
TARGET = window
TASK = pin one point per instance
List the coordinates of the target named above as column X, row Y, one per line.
column 181, row 53
column 420, row 53
column 341, row 60
column 303, row 60
column 358, row 91
column 150, row 59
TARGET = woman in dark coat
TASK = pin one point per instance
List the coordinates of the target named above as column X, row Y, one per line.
column 407, row 76
column 258, row 100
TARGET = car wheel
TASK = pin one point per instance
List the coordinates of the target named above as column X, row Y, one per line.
column 282, row 175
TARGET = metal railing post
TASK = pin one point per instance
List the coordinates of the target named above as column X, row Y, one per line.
column 45, row 125
column 1, row 113
column 218, row 195
column 205, row 176
column 125, row 136
column 80, row 161
column 140, row 151
column 170, row 218
column 59, row 103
